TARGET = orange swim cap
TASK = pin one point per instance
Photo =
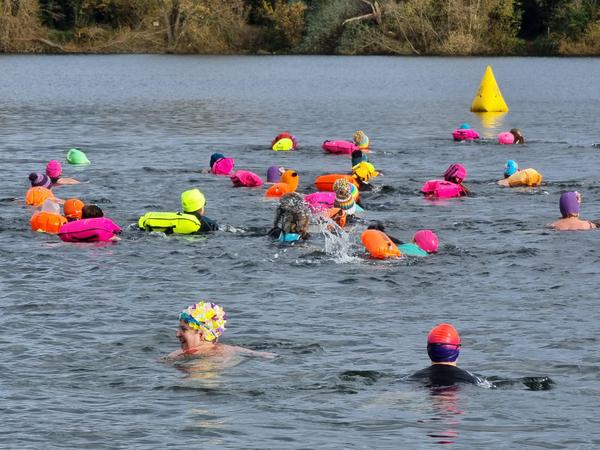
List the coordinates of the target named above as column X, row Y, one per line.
column 443, row 333
column 37, row 195
column 73, row 208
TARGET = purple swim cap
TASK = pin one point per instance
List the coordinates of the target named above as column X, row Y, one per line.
column 569, row 203
column 273, row 174
column 40, row 179
column 443, row 352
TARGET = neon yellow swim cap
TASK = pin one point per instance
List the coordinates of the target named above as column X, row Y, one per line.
column 192, row 200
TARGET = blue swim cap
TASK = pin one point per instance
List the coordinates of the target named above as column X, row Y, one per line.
column 464, row 126
column 510, row 168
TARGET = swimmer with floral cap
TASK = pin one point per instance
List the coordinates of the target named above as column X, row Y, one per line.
column 200, row 327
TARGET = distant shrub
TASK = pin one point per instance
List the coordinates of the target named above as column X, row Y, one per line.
column 283, row 24
column 588, row 44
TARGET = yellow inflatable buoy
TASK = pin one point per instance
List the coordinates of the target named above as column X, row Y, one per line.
column 488, row 97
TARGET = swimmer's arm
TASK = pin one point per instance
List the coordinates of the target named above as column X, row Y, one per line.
column 248, row 352
column 503, row 182
column 62, row 181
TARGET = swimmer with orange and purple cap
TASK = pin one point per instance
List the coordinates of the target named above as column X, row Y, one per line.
column 443, row 348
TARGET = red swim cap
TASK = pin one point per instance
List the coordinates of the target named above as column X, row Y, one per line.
column 443, row 333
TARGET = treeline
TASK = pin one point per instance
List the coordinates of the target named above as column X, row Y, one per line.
column 349, row 27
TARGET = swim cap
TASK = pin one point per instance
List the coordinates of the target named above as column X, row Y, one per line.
column 53, row 169
column 464, row 126
column 569, row 203
column 456, row 173
column 72, row 208
column 361, row 139
column 357, row 157
column 510, row 168
column 426, row 240
column 274, row 174
column 343, row 194
column 443, row 333
column 39, row 179
column 290, row 177
column 192, row 200
column 208, row 316
column 443, row 343
column 215, row 157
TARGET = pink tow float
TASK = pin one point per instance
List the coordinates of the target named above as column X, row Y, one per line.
column 340, row 147
column 320, row 201
column 245, row 178
column 97, row 229
column 506, row 138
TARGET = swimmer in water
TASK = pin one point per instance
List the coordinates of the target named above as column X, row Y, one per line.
column 292, row 216
column 193, row 203
column 40, row 179
column 443, row 347
column 570, row 204
column 54, row 172
column 94, row 211
column 379, row 226
column 200, row 327
column 519, row 139
column 363, row 170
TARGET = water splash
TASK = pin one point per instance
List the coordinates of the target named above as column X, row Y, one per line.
column 338, row 242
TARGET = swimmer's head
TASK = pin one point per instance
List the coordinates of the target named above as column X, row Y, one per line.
column 292, row 201
column 206, row 317
column 53, row 169
column 456, row 173
column 443, row 343
column 215, row 157
column 40, row 179
column 570, row 204
column 516, row 132
column 376, row 226
column 426, row 240
column 192, row 200
column 274, row 174
column 361, row 139
column 73, row 208
column 464, row 126
column 510, row 168
column 357, row 157
column 91, row 212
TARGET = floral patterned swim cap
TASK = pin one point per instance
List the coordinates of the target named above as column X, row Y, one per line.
column 208, row 316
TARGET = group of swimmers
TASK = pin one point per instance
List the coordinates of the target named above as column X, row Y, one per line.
column 202, row 324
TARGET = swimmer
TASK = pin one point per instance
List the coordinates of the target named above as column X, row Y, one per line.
column 344, row 198
column 456, row 173
column 443, row 348
column 274, row 174
column 292, row 216
column 519, row 139
column 200, row 327
column 510, row 169
column 193, row 202
column 363, row 170
column 570, row 204
column 40, row 179
column 94, row 211
column 54, row 172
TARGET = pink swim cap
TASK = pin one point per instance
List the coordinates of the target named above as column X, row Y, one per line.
column 426, row 240
column 456, row 173
column 53, row 169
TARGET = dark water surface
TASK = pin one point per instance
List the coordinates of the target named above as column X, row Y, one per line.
column 82, row 327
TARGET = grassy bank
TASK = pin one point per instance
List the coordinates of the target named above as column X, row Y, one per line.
column 349, row 27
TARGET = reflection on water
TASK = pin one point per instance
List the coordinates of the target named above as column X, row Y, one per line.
column 445, row 403
column 491, row 122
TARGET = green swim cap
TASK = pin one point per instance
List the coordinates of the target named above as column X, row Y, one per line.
column 76, row 156
column 192, row 200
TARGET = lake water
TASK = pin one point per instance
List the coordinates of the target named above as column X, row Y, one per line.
column 83, row 327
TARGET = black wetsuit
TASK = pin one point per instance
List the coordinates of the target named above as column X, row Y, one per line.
column 206, row 224
column 444, row 375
